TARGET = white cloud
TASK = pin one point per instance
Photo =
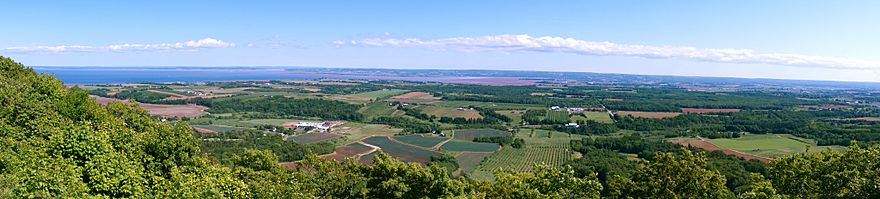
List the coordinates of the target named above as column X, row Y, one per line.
column 187, row 45
column 522, row 43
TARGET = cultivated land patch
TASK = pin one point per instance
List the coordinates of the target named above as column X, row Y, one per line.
column 523, row 159
column 468, row 161
column 420, row 140
column 709, row 110
column 770, row 145
column 642, row 114
column 164, row 110
column 870, row 119
column 470, row 134
column 215, row 128
column 451, row 112
column 347, row 151
column 706, row 145
column 382, row 94
column 470, row 146
column 414, row 95
column 401, row 151
column 310, row 138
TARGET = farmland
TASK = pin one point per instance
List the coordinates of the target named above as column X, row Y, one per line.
column 450, row 112
column 598, row 116
column 401, row 151
column 470, row 134
column 382, row 94
column 349, row 151
column 770, row 145
column 642, row 114
column 309, row 138
column 469, row 146
column 420, row 140
column 523, row 159
column 708, row 110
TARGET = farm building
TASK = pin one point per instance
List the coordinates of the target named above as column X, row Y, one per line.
column 323, row 126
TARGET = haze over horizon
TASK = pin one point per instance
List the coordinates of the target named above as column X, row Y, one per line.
column 753, row 39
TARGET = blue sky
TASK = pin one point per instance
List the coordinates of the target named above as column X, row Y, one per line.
column 770, row 39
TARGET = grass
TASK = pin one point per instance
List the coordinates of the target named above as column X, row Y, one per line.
column 468, row 161
column 382, row 94
column 514, row 115
column 376, row 109
column 450, row 112
column 599, row 116
column 219, row 128
column 469, row 146
column 419, row 140
column 546, row 137
column 771, row 145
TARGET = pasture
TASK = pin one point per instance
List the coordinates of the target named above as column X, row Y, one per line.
column 381, row 94
column 218, row 128
column 770, row 145
column 468, row 161
column 599, row 116
column 347, row 151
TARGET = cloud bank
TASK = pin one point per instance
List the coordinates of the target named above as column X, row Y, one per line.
column 185, row 46
column 549, row 44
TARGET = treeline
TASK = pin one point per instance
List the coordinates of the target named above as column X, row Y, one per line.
column 224, row 146
column 673, row 99
column 503, row 141
column 588, row 127
column 601, row 155
column 805, row 124
column 284, row 106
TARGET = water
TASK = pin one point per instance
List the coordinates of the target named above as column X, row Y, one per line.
column 106, row 75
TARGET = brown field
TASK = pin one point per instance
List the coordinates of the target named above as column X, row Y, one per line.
column 350, row 150
column 413, row 95
column 705, row 145
column 870, row 119
column 648, row 114
column 164, row 110
column 709, row 110
column 204, row 130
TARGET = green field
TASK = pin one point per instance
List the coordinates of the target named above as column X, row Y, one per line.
column 514, row 115
column 309, row 138
column 469, row 146
column 522, row 159
column 382, row 94
column 420, row 140
column 376, row 109
column 354, row 131
column 468, row 161
column 219, row 128
column 770, row 145
column 558, row 116
column 599, row 116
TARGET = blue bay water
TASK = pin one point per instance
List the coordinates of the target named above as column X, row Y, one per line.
column 104, row 75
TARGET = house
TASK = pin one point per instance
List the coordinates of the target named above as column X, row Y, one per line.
column 555, row 108
column 572, row 125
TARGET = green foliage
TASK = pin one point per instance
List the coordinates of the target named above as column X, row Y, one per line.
column 542, row 182
column 283, row 106
column 670, row 176
column 854, row 173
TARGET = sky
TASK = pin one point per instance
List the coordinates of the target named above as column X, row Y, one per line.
column 785, row 39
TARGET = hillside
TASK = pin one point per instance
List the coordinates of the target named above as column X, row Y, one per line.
column 57, row 142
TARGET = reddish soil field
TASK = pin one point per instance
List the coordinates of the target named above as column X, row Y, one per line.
column 412, row 95
column 648, row 114
column 350, row 150
column 712, row 147
column 165, row 110
column 204, row 130
column 709, row 110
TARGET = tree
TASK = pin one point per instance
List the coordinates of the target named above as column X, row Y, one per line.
column 854, row 173
column 543, row 182
column 670, row 176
